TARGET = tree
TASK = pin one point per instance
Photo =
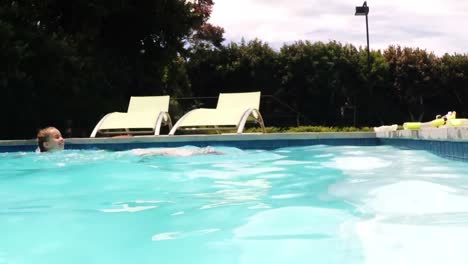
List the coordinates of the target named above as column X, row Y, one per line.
column 415, row 78
column 454, row 74
column 75, row 60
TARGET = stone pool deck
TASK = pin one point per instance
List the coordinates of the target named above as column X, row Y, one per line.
column 449, row 142
column 446, row 134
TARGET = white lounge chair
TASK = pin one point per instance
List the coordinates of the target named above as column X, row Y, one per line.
column 232, row 112
column 145, row 115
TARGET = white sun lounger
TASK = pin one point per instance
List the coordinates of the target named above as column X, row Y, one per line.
column 145, row 115
column 232, row 112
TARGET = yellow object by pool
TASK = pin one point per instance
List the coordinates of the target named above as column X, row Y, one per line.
column 418, row 125
column 458, row 122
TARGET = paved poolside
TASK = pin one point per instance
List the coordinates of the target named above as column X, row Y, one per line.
column 446, row 133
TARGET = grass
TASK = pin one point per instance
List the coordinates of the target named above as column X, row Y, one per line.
column 299, row 129
column 309, row 129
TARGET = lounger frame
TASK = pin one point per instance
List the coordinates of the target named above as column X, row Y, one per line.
column 134, row 111
column 251, row 113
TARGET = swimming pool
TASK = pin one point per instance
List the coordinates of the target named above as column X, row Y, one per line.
column 304, row 204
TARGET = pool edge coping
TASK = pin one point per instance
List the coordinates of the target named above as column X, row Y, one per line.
column 201, row 138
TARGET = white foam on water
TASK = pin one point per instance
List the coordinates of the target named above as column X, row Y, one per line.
column 324, row 155
column 294, row 234
column 206, row 231
column 389, row 243
column 126, row 208
column 233, row 196
column 181, row 235
column 235, row 192
column 420, row 207
column 229, row 165
column 178, row 213
column 312, row 167
column 428, row 175
column 357, row 163
column 151, row 201
column 260, row 206
column 274, row 176
column 414, row 197
column 231, row 174
column 165, row 236
column 287, row 196
column 354, row 152
column 432, row 168
column 260, row 183
column 291, row 162
column 293, row 220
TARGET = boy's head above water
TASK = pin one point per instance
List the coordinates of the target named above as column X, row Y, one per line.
column 50, row 139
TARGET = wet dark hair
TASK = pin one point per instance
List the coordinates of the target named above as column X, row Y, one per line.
column 43, row 136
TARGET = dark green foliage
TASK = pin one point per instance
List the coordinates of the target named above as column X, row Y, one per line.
column 454, row 77
column 67, row 63
column 330, row 84
column 415, row 78
column 305, row 129
column 318, row 79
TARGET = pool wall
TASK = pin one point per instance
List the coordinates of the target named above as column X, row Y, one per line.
column 243, row 141
column 450, row 143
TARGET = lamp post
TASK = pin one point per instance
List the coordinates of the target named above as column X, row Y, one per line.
column 363, row 11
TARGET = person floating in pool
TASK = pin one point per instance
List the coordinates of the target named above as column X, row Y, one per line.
column 178, row 152
column 50, row 139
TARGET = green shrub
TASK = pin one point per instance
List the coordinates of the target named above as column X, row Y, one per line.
column 308, row 129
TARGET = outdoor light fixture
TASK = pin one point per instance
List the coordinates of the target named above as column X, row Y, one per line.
column 363, row 11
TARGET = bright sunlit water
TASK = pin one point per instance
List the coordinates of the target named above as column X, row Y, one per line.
column 316, row 204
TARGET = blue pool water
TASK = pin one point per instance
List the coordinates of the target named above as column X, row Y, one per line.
column 315, row 204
